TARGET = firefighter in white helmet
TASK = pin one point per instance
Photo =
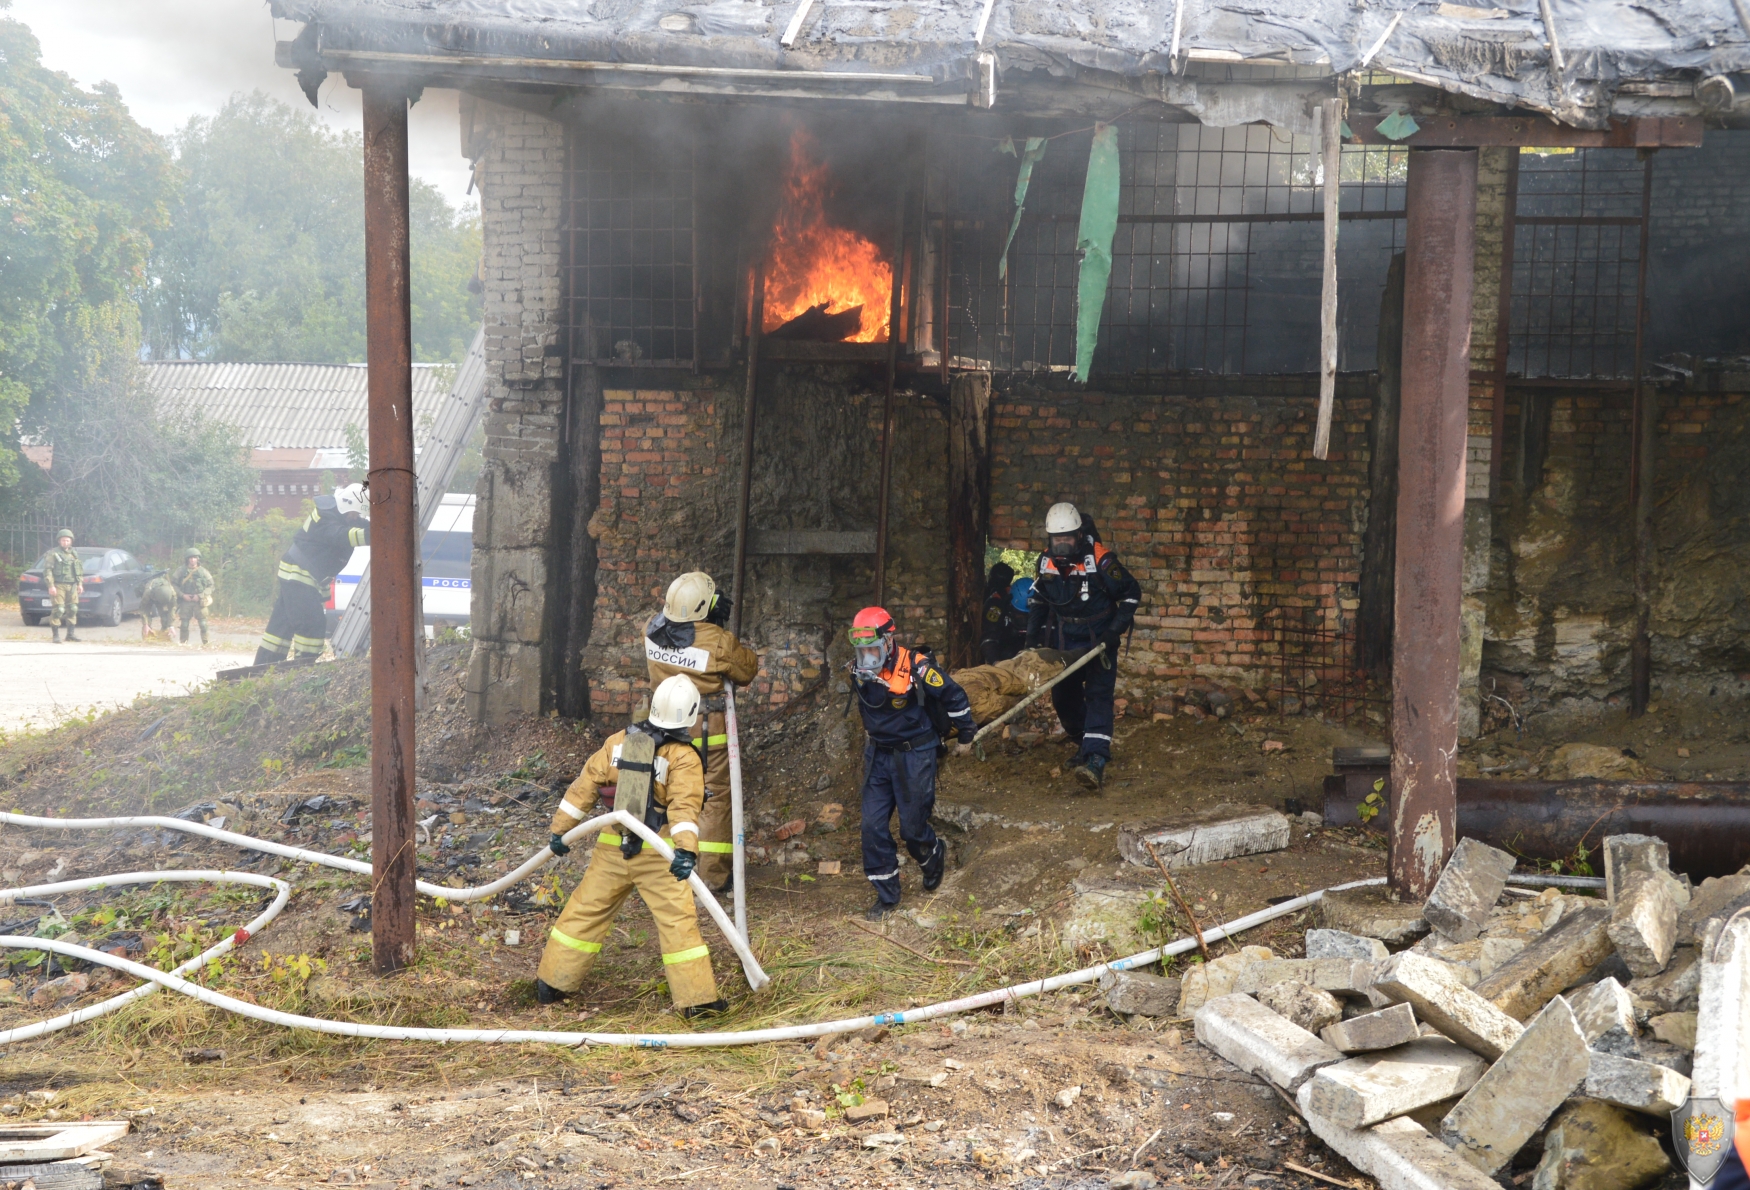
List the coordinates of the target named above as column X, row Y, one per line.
column 321, row 548
column 688, row 636
column 621, row 863
column 1082, row 597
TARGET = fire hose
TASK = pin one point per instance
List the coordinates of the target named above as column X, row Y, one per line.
column 756, row 977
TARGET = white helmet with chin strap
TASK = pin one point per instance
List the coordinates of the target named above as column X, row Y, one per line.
column 1063, row 517
column 352, row 498
column 675, row 705
column 689, row 598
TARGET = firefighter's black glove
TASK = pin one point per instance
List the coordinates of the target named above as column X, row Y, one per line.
column 558, row 846
column 968, row 734
column 719, row 613
column 683, row 863
column 1112, row 640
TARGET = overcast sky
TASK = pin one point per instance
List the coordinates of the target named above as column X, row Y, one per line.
column 174, row 59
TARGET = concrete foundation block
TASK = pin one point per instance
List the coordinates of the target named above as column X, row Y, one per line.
column 1259, row 1042
column 1441, row 1000
column 1373, row 1031
column 1625, row 853
column 1468, row 888
column 1398, row 1154
column 1639, row 1086
column 1363, row 1091
column 1309, row 1007
column 1336, row 944
column 1135, row 994
column 1643, row 920
column 1204, row 836
column 1520, row 1091
column 1598, row 1146
column 1559, row 958
column 1371, row 913
column 1606, row 1013
column 1332, row 975
column 1722, row 1037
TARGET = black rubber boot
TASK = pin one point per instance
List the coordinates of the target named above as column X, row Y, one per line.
column 879, row 910
column 546, row 993
column 56, row 629
column 693, row 1012
column 1091, row 772
column 70, row 635
column 935, row 866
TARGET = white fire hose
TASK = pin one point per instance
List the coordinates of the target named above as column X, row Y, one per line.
column 756, row 977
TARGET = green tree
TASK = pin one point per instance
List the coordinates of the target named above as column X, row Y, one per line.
column 83, row 188
column 264, row 258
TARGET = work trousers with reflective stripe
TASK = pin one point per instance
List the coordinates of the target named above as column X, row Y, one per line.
column 298, row 624
column 1083, row 702
column 576, row 938
column 903, row 781
column 716, row 843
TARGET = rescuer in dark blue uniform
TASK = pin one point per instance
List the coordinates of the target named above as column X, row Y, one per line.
column 1005, row 614
column 1082, row 597
column 907, row 704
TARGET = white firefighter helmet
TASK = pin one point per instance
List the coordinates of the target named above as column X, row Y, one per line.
column 1063, row 517
column 352, row 498
column 675, row 704
column 689, row 597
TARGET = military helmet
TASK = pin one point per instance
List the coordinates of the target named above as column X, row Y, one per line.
column 191, row 552
column 67, row 533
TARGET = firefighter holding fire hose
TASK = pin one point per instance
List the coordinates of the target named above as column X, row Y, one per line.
column 621, row 863
column 688, row 636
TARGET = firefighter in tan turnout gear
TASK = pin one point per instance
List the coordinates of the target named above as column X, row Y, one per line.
column 688, row 637
column 621, row 863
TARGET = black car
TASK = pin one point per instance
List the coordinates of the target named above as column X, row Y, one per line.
column 114, row 581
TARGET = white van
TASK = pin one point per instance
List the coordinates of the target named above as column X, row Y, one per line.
column 446, row 556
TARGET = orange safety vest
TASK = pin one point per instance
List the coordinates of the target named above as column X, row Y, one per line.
column 898, row 674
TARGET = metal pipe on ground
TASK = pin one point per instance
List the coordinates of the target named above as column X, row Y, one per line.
column 1439, row 246
column 395, row 603
column 1706, row 824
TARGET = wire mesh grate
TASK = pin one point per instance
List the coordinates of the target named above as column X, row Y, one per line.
column 630, row 250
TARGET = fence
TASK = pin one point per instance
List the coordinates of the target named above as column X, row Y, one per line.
column 1318, row 667
column 24, row 540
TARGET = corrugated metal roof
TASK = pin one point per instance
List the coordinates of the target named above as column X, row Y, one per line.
column 285, row 406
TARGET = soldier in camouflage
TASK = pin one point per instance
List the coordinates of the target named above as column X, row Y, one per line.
column 65, row 575
column 194, row 589
column 158, row 599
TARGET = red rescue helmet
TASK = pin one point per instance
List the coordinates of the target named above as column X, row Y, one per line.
column 871, row 625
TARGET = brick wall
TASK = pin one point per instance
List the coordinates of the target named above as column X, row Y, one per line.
column 519, row 162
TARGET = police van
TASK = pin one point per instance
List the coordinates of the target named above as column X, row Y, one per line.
column 446, row 556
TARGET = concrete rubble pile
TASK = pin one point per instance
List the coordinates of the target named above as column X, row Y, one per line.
column 1542, row 1036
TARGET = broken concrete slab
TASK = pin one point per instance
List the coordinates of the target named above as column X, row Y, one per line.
column 1107, row 911
column 1337, row 944
column 1370, row 912
column 1134, row 993
column 1471, row 961
column 1203, row 982
column 1205, row 836
column 1643, row 920
column 1373, row 1031
column 1639, row 1086
column 1346, row 976
column 1398, row 1154
column 1468, row 888
column 1626, row 853
column 1558, row 959
column 1309, row 1007
column 1606, row 1014
column 1722, row 1038
column 1675, row 1028
column 1260, row 1042
column 1598, row 1146
column 1719, row 896
column 1675, row 988
column 1362, row 1091
column 1661, row 1053
column 1518, row 1093
column 1439, row 999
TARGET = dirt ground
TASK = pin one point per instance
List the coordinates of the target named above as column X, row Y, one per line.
column 985, row 1098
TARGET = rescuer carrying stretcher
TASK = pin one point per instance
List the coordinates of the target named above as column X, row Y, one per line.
column 688, row 636
column 657, row 756
column 908, row 705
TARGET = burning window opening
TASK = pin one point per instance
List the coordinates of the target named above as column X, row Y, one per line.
column 823, row 283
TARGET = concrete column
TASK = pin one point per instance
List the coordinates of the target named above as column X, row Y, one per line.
column 395, row 596
column 1440, row 241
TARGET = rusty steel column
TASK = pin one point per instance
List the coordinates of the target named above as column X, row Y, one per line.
column 395, row 603
column 1440, row 243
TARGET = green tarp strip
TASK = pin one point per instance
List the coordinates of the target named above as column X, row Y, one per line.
column 1029, row 157
column 1094, row 241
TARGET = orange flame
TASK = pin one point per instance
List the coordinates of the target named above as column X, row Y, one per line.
column 814, row 262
